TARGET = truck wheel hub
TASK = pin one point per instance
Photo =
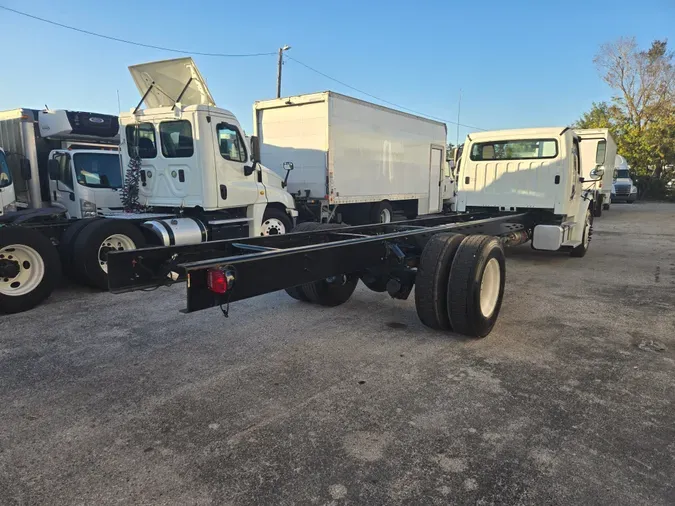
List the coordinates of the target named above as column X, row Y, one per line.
column 21, row 270
column 9, row 268
column 273, row 227
column 116, row 242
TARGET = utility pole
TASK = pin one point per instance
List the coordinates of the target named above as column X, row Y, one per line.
column 459, row 106
column 279, row 64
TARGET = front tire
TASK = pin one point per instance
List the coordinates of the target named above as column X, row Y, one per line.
column 580, row 251
column 275, row 222
column 30, row 269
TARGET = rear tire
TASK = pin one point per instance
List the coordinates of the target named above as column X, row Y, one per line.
column 296, row 291
column 36, row 269
column 67, row 247
column 476, row 285
column 95, row 241
column 329, row 292
column 431, row 283
column 597, row 209
column 605, row 207
column 381, row 212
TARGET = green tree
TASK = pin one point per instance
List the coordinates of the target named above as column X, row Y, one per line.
column 641, row 113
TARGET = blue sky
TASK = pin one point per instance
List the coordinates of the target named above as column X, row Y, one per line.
column 519, row 64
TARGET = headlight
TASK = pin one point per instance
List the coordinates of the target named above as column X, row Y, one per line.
column 9, row 208
column 633, row 189
column 87, row 208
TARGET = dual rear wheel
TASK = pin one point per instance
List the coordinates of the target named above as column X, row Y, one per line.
column 459, row 284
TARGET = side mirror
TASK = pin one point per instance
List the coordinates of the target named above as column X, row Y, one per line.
column 255, row 149
column 248, row 170
column 287, row 165
column 597, row 173
column 25, row 169
column 601, row 152
column 53, row 169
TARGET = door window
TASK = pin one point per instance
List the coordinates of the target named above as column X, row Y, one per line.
column 5, row 174
column 65, row 174
column 141, row 140
column 230, row 143
column 176, row 139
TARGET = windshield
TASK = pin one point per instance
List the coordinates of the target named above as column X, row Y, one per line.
column 5, row 174
column 98, row 170
column 622, row 174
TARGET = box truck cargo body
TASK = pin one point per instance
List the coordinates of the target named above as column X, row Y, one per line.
column 352, row 156
column 31, row 138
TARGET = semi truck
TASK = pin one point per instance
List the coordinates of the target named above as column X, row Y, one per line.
column 598, row 152
column 514, row 186
column 198, row 181
column 352, row 161
column 623, row 186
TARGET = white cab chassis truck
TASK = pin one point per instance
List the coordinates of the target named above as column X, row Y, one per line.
column 598, row 153
column 352, row 160
column 199, row 182
column 514, row 186
column 536, row 170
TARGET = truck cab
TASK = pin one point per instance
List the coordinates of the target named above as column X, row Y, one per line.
column 526, row 170
column 86, row 182
column 598, row 152
column 7, row 195
column 193, row 156
column 623, row 186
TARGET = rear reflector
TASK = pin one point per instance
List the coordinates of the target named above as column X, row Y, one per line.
column 216, row 281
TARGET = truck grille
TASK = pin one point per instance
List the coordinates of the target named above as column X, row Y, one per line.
column 623, row 189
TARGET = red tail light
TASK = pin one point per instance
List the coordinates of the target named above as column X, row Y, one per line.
column 216, row 280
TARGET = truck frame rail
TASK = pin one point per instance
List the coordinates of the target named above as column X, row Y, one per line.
column 260, row 265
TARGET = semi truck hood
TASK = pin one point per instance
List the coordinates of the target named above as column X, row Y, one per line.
column 171, row 80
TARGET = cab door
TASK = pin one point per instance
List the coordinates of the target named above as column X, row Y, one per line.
column 62, row 189
column 238, row 184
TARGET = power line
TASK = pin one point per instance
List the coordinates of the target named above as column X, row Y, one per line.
column 378, row 98
column 223, row 55
column 131, row 42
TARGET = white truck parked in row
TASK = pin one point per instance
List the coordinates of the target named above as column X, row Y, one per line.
column 7, row 193
column 623, row 186
column 598, row 152
column 199, row 181
column 61, row 159
column 514, row 185
column 352, row 160
column 532, row 169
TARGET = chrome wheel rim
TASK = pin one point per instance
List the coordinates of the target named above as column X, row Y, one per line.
column 273, row 226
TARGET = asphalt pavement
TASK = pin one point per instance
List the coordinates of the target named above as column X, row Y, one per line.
column 121, row 399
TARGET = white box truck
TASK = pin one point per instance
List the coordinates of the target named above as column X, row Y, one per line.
column 350, row 159
column 64, row 159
